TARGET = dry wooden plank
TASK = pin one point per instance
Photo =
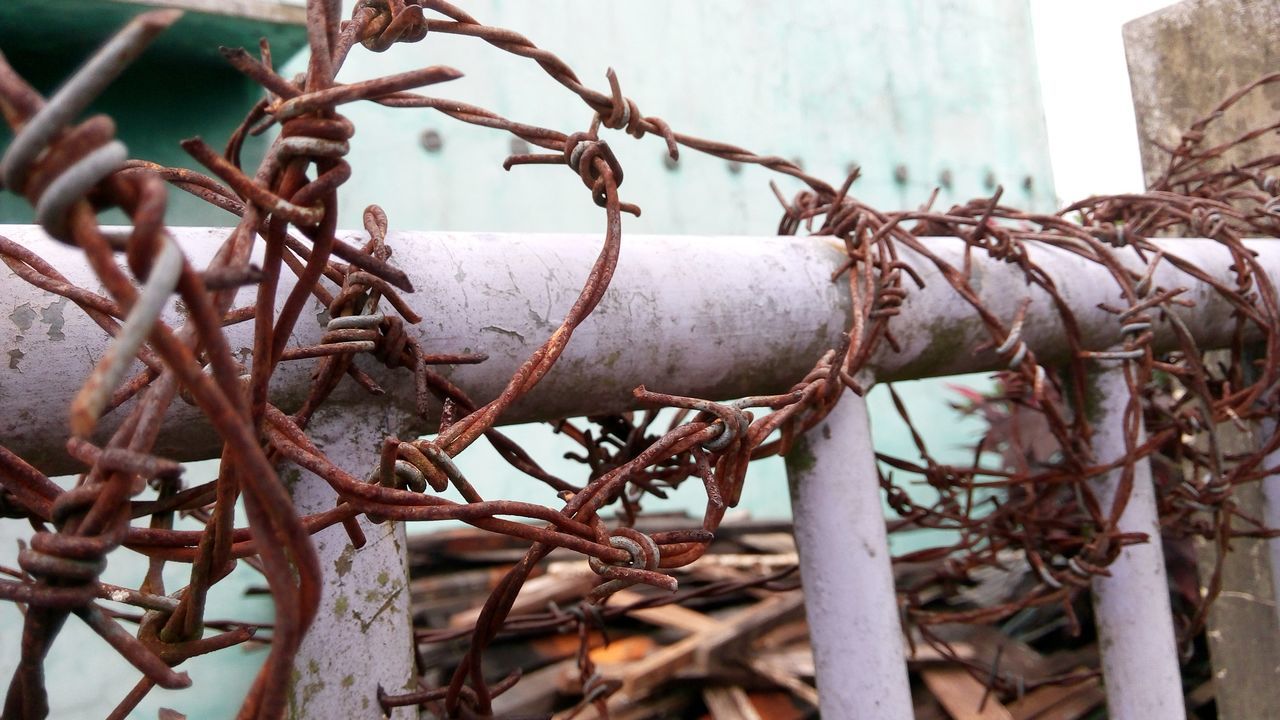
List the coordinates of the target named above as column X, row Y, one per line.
column 536, row 593
column 797, row 659
column 924, row 653
column 535, row 693
column 784, row 635
column 670, row 616
column 729, row 703
column 984, row 644
column 640, row 679
column 626, row 650
column 962, row 695
column 431, row 588
column 746, row 625
column 925, row 706
column 1059, row 702
column 777, row 705
column 783, row 676
column 745, row 561
column 702, row 647
column 657, row 707
column 771, row 543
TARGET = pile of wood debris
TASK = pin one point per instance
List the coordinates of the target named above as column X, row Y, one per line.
column 734, row 649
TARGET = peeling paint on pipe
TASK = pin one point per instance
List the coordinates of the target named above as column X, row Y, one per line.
column 714, row 317
column 362, row 637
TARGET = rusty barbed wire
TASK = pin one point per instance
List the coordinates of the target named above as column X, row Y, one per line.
column 1038, row 506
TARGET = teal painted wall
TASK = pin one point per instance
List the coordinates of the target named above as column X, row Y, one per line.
column 929, row 86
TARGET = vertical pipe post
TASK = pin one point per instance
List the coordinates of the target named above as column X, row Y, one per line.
column 1135, row 623
column 849, row 593
column 362, row 637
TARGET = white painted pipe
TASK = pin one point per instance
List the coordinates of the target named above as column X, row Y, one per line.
column 715, row 317
column 1134, row 620
column 846, row 570
column 362, row 637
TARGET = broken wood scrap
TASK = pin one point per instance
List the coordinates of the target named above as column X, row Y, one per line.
column 729, row 703
column 1059, row 702
column 727, row 651
column 962, row 695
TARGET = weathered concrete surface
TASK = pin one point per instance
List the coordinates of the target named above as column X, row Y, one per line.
column 1243, row 633
column 1185, row 59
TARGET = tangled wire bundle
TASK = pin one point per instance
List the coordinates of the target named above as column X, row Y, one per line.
column 1047, row 514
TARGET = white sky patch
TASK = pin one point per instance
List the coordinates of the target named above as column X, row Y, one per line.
column 1093, row 138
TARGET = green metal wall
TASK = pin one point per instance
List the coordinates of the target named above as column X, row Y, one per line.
column 180, row 87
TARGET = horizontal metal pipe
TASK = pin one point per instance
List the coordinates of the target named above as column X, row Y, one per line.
column 714, row 317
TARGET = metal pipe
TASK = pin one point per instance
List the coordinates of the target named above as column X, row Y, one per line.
column 1134, row 619
column 846, row 570
column 716, row 317
column 362, row 637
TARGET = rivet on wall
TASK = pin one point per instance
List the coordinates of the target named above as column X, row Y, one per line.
column 1028, row 183
column 945, row 179
column 989, row 180
column 431, row 141
column 900, row 174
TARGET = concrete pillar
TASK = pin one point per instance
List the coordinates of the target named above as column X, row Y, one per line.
column 1183, row 61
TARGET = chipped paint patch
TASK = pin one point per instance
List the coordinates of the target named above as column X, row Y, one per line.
column 503, row 331
column 343, row 563
column 22, row 316
column 52, row 316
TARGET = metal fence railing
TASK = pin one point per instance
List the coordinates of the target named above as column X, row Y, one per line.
column 692, row 316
